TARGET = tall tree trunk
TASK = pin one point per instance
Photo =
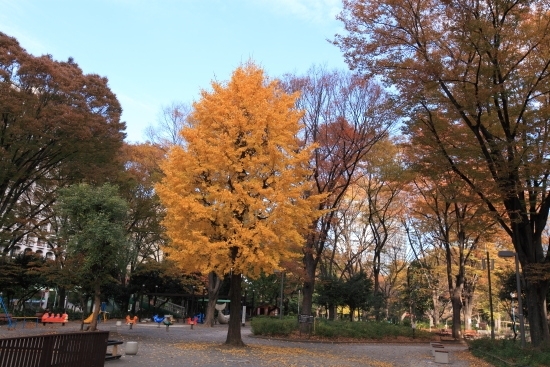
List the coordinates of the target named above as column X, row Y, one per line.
column 331, row 311
column 234, row 329
column 62, row 294
column 214, row 285
column 96, row 307
column 534, row 265
column 535, row 293
column 309, row 282
column 351, row 313
column 435, row 303
column 468, row 301
column 456, row 301
column 467, row 306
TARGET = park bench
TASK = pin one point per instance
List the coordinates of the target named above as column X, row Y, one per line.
column 4, row 318
column 70, row 349
column 7, row 319
column 470, row 334
column 114, row 352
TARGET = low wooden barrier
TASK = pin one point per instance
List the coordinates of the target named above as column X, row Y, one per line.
column 59, row 350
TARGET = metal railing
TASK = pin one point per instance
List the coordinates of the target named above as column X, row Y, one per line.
column 170, row 307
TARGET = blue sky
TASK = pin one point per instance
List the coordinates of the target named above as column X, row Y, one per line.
column 158, row 52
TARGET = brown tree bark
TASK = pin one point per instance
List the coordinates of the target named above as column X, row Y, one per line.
column 214, row 284
column 456, row 301
column 234, row 330
column 96, row 307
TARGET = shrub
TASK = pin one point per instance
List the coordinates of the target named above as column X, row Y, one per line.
column 507, row 352
column 266, row 325
column 270, row 326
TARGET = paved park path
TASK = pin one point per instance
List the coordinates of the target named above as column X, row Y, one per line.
column 202, row 346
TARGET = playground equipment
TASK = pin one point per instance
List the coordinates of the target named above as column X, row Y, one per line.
column 51, row 318
column 192, row 321
column 131, row 320
column 7, row 316
column 88, row 320
column 222, row 319
column 167, row 321
column 158, row 319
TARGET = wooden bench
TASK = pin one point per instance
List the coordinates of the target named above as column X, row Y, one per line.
column 7, row 320
column 114, row 352
column 470, row 334
column 70, row 349
column 4, row 318
column 24, row 319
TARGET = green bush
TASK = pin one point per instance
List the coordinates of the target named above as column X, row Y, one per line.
column 365, row 330
column 505, row 352
column 270, row 326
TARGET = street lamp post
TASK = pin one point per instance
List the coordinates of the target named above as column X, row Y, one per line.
column 141, row 302
column 411, row 306
column 253, row 302
column 192, row 302
column 281, row 301
column 155, row 301
column 490, row 297
column 518, row 286
column 299, row 291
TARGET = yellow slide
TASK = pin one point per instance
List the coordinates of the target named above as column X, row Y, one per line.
column 88, row 320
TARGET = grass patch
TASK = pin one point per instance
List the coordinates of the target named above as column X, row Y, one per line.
column 505, row 353
column 270, row 326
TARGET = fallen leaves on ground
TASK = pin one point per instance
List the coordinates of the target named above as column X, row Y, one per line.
column 472, row 360
column 283, row 356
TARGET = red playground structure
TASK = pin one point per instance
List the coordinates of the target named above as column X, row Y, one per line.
column 50, row 317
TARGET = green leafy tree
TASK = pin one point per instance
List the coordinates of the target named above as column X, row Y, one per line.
column 22, row 277
column 58, row 126
column 330, row 293
column 96, row 236
column 357, row 292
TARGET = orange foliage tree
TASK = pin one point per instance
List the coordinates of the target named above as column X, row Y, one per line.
column 235, row 192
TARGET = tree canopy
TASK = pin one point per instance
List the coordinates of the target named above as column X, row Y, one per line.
column 57, row 126
column 475, row 77
column 96, row 236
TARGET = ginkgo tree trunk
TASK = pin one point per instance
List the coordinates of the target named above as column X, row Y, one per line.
column 236, row 192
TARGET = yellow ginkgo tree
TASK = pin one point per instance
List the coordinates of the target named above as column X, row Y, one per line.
column 237, row 196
